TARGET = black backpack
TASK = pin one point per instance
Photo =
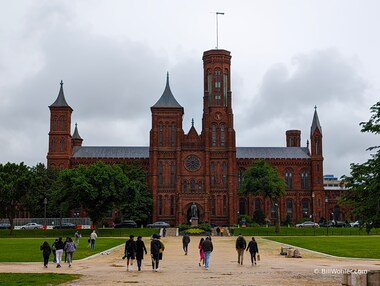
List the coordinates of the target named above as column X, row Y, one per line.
column 240, row 242
column 156, row 245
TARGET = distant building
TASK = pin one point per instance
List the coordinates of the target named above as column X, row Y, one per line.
column 203, row 167
column 334, row 188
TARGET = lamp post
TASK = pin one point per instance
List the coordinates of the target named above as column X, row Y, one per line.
column 45, row 203
column 313, row 206
column 238, row 213
column 326, row 206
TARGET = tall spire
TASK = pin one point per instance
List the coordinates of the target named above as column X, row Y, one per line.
column 60, row 101
column 167, row 98
column 76, row 133
column 315, row 124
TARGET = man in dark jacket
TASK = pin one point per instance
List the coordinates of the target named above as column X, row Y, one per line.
column 207, row 248
column 155, row 246
column 241, row 244
column 185, row 242
column 130, row 251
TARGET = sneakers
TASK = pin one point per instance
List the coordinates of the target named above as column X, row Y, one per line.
column 156, row 270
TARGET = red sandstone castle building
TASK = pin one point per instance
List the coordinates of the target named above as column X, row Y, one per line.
column 203, row 167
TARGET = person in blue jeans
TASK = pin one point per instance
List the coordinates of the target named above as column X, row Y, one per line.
column 207, row 248
column 93, row 237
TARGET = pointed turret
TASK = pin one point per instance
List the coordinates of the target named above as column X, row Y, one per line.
column 167, row 98
column 315, row 124
column 76, row 139
column 60, row 101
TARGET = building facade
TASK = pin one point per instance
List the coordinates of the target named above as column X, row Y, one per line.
column 202, row 167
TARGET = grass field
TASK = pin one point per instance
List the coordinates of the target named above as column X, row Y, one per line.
column 28, row 249
column 343, row 246
column 35, row 279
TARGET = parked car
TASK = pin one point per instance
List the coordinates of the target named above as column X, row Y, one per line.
column 126, row 224
column 355, row 224
column 5, row 225
column 31, row 225
column 65, row 225
column 340, row 224
column 158, row 224
column 307, row 224
column 325, row 224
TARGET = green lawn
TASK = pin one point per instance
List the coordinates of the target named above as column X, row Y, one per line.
column 28, row 249
column 35, row 279
column 343, row 246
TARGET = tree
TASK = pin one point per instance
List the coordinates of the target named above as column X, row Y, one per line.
column 363, row 186
column 97, row 188
column 15, row 183
column 140, row 208
column 262, row 179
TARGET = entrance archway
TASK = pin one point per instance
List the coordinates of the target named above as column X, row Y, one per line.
column 199, row 212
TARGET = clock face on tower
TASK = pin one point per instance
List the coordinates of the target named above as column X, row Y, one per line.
column 218, row 116
column 192, row 163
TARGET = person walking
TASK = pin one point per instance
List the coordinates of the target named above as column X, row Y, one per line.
column 93, row 237
column 130, row 251
column 185, row 242
column 64, row 248
column 53, row 250
column 201, row 252
column 70, row 247
column 155, row 247
column 253, row 249
column 240, row 245
column 77, row 236
column 46, row 250
column 140, row 250
column 222, row 231
column 59, row 251
column 207, row 248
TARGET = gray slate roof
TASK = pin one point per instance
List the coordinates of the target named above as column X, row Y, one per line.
column 241, row 152
column 167, row 98
column 315, row 124
column 60, row 101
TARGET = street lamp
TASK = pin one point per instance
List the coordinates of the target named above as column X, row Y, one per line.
column 238, row 213
column 313, row 195
column 45, row 203
column 326, row 206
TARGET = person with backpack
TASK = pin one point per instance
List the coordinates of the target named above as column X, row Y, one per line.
column 46, row 250
column 140, row 250
column 130, row 251
column 155, row 247
column 253, row 249
column 241, row 244
column 69, row 248
column 185, row 242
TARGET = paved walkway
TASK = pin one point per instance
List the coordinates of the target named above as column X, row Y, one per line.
column 179, row 269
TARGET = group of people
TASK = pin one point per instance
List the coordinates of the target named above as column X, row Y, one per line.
column 241, row 246
column 58, row 248
column 135, row 250
column 205, row 247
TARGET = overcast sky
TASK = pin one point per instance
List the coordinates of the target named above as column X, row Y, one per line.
column 287, row 57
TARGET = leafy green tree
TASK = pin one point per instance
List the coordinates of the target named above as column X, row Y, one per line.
column 259, row 216
column 96, row 188
column 15, row 183
column 262, row 179
column 140, row 208
column 363, row 186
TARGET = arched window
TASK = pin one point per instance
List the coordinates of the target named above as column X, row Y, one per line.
column 192, row 185
column 213, row 205
column 62, row 145
column 209, row 81
column 225, row 87
column 55, row 123
column 289, row 208
column 224, row 173
column 317, row 146
column 53, row 145
column 217, row 87
column 184, row 188
column 172, row 205
column 212, row 173
column 305, row 204
column 222, row 135
column 289, row 179
column 224, row 205
column 63, row 122
column 199, row 186
column 160, row 205
column 172, row 174
column 173, row 134
column 242, row 203
column 160, row 134
column 304, row 180
column 258, row 205
column 240, row 176
column 213, row 135
column 160, row 172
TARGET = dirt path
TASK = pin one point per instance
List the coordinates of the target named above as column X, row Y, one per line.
column 179, row 269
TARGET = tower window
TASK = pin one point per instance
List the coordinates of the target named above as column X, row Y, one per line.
column 212, row 173
column 317, row 146
column 289, row 179
column 200, row 186
column 160, row 171
column 225, row 88
column 209, row 81
column 224, row 178
column 222, row 135
column 53, row 145
column 304, row 180
column 173, row 134
column 172, row 174
column 62, row 145
column 192, row 185
column 217, row 87
column 213, row 135
column 63, row 123
column 55, row 123
column 160, row 134
column 184, row 188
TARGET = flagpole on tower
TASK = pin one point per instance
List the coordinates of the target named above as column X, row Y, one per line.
column 217, row 29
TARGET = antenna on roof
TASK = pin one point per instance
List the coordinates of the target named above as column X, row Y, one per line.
column 217, row 30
